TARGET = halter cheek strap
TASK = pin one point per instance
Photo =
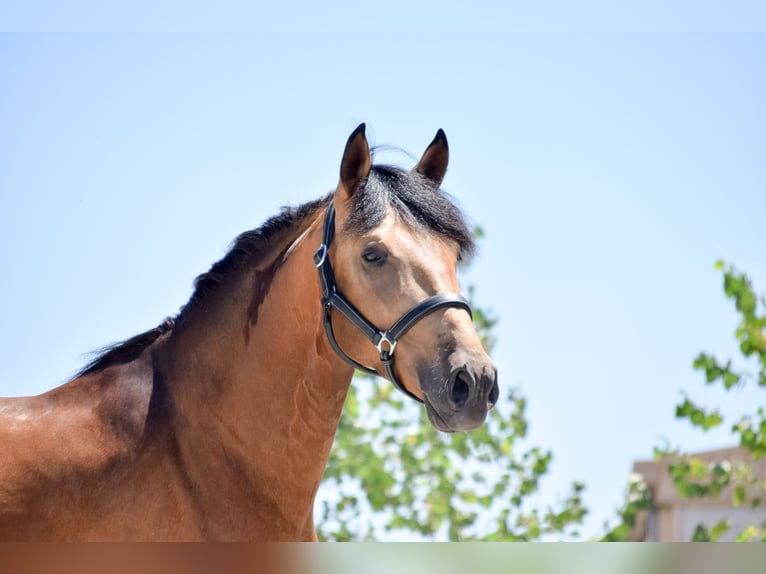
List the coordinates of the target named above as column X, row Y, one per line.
column 384, row 341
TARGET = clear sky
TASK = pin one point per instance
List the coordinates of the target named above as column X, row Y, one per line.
column 611, row 158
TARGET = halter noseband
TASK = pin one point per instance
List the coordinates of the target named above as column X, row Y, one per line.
column 384, row 341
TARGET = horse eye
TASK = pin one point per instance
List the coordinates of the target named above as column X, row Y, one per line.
column 374, row 256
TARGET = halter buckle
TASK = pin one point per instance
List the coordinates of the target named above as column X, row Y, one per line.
column 391, row 345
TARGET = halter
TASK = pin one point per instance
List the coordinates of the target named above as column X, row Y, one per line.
column 384, row 341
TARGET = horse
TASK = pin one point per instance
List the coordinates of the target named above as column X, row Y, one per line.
column 218, row 423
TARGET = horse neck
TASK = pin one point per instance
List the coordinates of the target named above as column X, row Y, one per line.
column 253, row 378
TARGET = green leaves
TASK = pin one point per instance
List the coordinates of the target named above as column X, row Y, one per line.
column 750, row 331
column 752, row 434
column 639, row 498
column 704, row 534
column 393, row 474
column 751, row 335
column 738, row 495
column 697, row 416
column 694, row 477
column 713, row 371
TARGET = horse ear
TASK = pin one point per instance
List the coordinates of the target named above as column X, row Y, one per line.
column 433, row 164
column 356, row 163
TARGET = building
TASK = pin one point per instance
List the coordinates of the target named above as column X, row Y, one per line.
column 672, row 518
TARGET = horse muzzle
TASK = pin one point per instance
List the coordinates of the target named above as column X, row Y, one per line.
column 460, row 397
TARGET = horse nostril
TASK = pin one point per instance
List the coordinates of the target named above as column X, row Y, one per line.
column 494, row 394
column 461, row 388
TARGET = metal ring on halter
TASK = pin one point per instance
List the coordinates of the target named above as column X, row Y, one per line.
column 391, row 345
column 320, row 255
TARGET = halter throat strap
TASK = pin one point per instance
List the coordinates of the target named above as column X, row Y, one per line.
column 384, row 340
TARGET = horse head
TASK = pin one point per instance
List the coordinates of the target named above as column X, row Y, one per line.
column 395, row 240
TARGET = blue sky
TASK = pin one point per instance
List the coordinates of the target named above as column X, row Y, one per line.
column 609, row 165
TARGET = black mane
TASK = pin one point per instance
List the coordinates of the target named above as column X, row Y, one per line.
column 246, row 244
column 413, row 196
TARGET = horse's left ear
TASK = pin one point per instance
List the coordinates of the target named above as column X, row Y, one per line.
column 433, row 164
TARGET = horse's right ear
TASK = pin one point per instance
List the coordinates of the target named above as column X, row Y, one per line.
column 356, row 163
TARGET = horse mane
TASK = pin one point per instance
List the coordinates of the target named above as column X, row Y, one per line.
column 248, row 243
column 414, row 197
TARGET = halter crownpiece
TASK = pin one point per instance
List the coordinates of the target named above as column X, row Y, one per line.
column 384, row 341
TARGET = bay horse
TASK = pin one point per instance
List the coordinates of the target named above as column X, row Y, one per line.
column 217, row 424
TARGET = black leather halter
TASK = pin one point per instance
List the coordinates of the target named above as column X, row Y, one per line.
column 385, row 341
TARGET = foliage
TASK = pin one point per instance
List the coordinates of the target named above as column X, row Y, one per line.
column 697, row 478
column 694, row 478
column 392, row 475
column 639, row 498
column 751, row 336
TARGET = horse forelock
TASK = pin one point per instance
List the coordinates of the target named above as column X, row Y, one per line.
column 415, row 198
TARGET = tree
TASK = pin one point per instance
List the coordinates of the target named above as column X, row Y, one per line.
column 391, row 474
column 697, row 478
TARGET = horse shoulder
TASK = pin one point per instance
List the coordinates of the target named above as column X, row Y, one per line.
column 78, row 432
